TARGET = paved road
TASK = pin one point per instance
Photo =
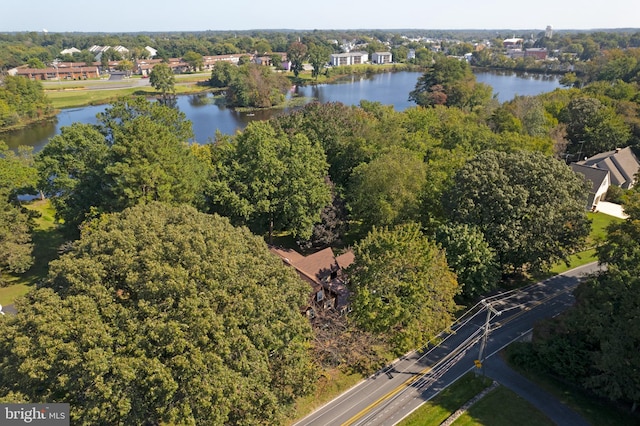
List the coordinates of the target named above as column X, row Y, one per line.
column 391, row 394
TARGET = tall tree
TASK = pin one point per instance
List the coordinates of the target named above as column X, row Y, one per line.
column 270, row 181
column 318, row 58
column 593, row 127
column 165, row 315
column 162, row 79
column 470, row 257
column 296, row 54
column 386, row 191
column 17, row 174
column 450, row 81
column 138, row 153
column 401, row 285
column 529, row 207
column 194, row 59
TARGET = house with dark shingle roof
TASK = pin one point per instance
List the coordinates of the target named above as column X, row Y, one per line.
column 621, row 163
column 619, row 167
column 599, row 180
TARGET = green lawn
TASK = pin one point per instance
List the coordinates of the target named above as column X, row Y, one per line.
column 447, row 402
column 46, row 241
column 502, row 407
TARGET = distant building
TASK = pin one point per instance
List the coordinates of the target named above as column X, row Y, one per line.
column 350, row 58
column 540, row 53
column 548, row 33
column 512, row 43
column 381, row 58
column 70, row 51
column 152, row 52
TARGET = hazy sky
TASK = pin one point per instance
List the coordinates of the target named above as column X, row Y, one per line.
column 200, row 15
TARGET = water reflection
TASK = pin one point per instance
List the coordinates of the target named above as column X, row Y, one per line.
column 208, row 117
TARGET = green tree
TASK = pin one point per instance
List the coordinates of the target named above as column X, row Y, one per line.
column 593, row 127
column 470, row 257
column 222, row 74
column 256, row 86
column 595, row 343
column 138, row 153
column 296, row 54
column 126, row 66
column 162, row 79
column 450, row 81
column 318, row 58
column 270, row 181
column 401, row 286
column 16, row 175
column 194, row 59
column 386, row 191
column 529, row 207
column 22, row 101
column 36, row 63
column 162, row 315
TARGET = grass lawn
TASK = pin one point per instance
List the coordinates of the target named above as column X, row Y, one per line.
column 502, row 407
column 599, row 223
column 77, row 98
column 46, row 240
column 448, row 401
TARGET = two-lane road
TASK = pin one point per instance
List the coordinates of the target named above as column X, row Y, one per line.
column 392, row 393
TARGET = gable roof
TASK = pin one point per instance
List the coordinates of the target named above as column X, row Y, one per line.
column 596, row 176
column 621, row 163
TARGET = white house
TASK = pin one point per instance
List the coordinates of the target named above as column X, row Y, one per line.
column 152, row 52
column 350, row 58
column 69, row 51
column 381, row 57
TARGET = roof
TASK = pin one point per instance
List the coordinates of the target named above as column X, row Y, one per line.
column 594, row 175
column 345, row 259
column 621, row 163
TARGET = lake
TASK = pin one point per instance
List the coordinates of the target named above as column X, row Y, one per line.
column 207, row 117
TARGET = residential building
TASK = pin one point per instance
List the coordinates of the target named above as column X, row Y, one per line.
column 152, row 52
column 70, row 51
column 600, row 182
column 350, row 58
column 59, row 73
column 621, row 163
column 325, row 274
column 381, row 57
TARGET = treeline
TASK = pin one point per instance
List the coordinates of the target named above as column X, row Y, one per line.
column 568, row 47
column 250, row 85
column 22, row 102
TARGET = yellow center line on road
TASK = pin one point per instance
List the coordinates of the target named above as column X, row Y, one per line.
column 383, row 398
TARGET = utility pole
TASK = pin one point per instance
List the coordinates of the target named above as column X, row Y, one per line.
column 479, row 362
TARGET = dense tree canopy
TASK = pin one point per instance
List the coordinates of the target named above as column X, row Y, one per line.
column 450, row 81
column 17, row 175
column 386, row 191
column 253, row 85
column 401, row 286
column 593, row 127
column 529, row 207
column 22, row 101
column 270, row 181
column 595, row 343
column 162, row 314
column 470, row 257
column 137, row 153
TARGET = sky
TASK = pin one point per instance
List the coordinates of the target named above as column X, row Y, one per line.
column 201, row 15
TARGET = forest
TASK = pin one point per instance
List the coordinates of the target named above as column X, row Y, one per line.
column 165, row 305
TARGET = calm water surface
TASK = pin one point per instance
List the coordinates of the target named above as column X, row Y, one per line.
column 207, row 117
